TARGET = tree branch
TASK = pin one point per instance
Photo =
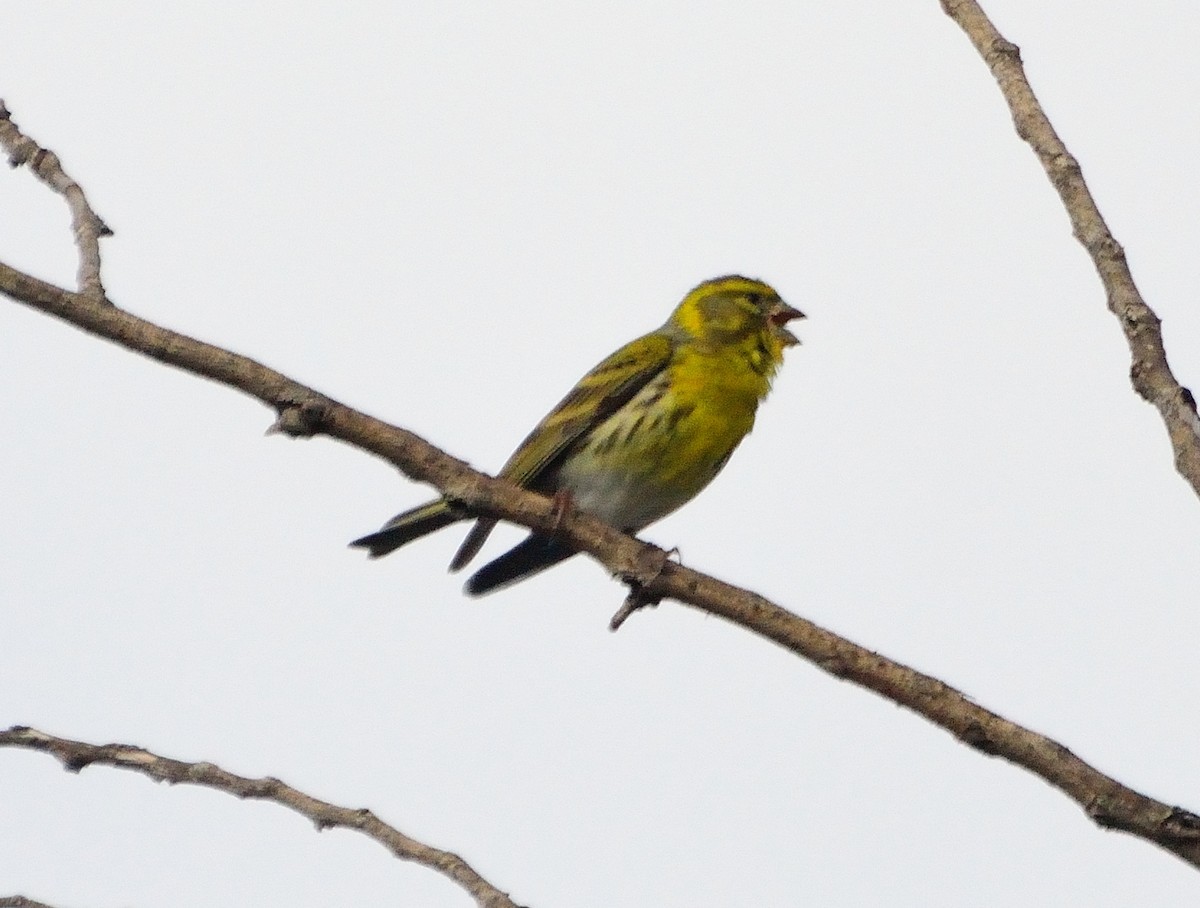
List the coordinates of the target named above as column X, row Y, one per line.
column 303, row 412
column 76, row 755
column 1150, row 374
column 19, row 901
column 85, row 223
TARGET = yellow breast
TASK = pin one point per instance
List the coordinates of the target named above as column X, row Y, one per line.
column 664, row 446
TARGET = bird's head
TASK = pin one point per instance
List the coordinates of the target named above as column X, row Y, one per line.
column 731, row 309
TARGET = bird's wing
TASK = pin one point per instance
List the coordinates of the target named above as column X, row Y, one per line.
column 599, row 394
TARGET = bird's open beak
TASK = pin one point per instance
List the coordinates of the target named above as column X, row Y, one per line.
column 779, row 317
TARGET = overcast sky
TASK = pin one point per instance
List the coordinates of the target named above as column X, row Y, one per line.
column 443, row 214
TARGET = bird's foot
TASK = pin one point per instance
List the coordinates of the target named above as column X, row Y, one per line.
column 563, row 504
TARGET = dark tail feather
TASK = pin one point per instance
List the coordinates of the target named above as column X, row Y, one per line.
column 530, row 557
column 473, row 543
column 404, row 528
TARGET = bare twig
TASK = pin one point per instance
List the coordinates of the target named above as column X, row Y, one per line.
column 304, row 412
column 85, row 223
column 76, row 755
column 1151, row 375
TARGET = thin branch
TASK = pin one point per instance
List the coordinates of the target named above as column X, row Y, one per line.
column 85, row 223
column 1150, row 374
column 76, row 755
column 303, row 411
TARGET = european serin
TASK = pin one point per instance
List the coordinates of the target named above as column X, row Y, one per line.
column 639, row 435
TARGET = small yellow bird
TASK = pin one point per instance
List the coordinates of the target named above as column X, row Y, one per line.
column 639, row 435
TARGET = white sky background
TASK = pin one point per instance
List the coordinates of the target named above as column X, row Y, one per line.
column 443, row 214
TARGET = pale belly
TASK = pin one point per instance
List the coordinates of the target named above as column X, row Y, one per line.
column 638, row 469
column 622, row 499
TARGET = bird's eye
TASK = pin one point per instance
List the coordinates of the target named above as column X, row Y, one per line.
column 755, row 299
